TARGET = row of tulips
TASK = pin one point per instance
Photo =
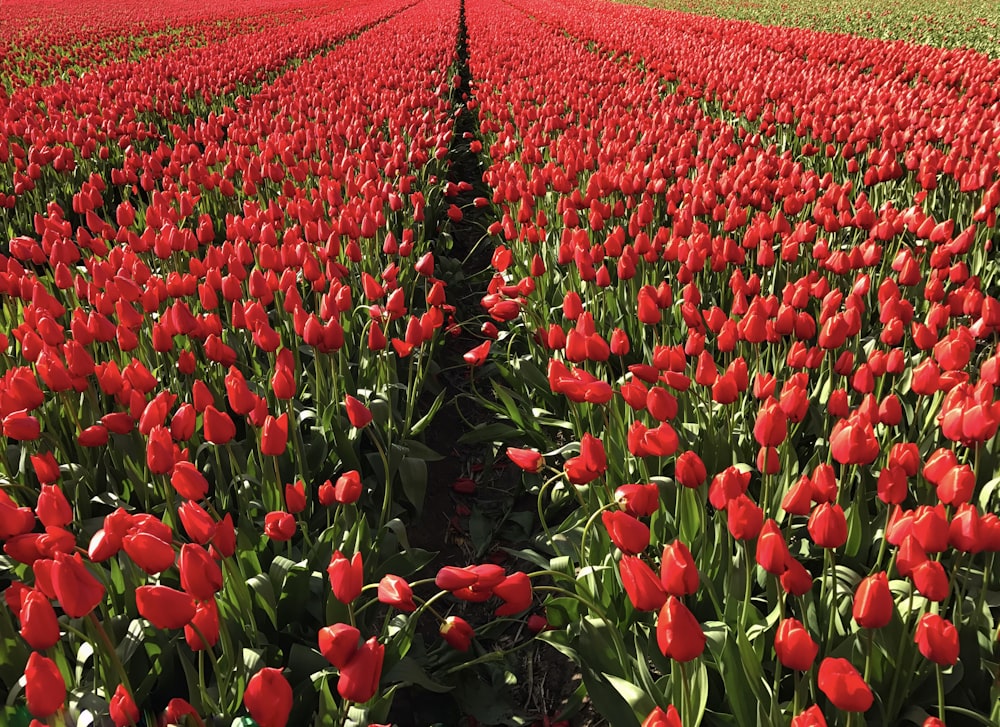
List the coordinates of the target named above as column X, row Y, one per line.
column 42, row 46
column 55, row 138
column 212, row 400
column 781, row 498
column 950, row 24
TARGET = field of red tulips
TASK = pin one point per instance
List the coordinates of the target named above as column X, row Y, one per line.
column 494, row 363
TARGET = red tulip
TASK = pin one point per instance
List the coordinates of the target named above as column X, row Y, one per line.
column 793, row 645
column 346, row 576
column 744, row 518
column 457, row 633
column 204, row 625
column 626, row 532
column 360, row 677
column 164, row 607
column 843, row 685
column 268, row 698
column 280, row 526
column 39, row 625
column 295, row 497
column 659, row 718
column 528, row 460
column 53, row 509
column 274, row 436
column 641, row 584
column 812, row 717
column 937, row 639
column 853, row 441
column 188, row 481
column 21, row 426
column 515, row 591
column 638, row 500
column 690, row 470
column 678, row 632
column 338, row 643
column 123, row 709
column 348, row 488
column 678, row 572
column 77, row 590
column 772, row 551
column 358, row 414
column 200, row 574
column 149, row 552
column 828, row 526
column 45, row 688
column 395, row 591
column 218, row 427
column 873, row 604
column 478, row 355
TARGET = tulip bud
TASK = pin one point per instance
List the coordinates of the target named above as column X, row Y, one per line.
column 268, row 698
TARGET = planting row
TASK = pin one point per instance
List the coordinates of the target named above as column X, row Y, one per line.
column 781, row 496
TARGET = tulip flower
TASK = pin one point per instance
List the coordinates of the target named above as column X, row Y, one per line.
column 812, row 717
column 200, row 574
column 772, row 552
column 268, row 698
column 218, row 427
column 641, row 584
column 828, row 526
column 280, row 526
column 793, row 645
column 457, row 633
column 164, row 607
column 39, row 625
column 348, row 488
column 678, row 572
column 843, row 685
column 338, row 643
column 45, row 688
column 149, row 552
column 638, row 500
column 396, row 592
column 678, row 632
column 853, row 441
column 76, row 589
column 295, row 497
column 274, row 436
column 528, row 460
column 357, row 413
column 53, row 509
column 689, row 470
column 660, row 718
column 937, row 639
column 203, row 625
column 122, row 708
column 188, row 481
column 873, row 604
column 359, row 678
column 346, row 576
column 478, row 355
column 515, row 591
column 627, row 533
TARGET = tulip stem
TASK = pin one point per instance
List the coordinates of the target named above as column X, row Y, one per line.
column 832, row 566
column 116, row 662
column 939, row 678
column 685, row 700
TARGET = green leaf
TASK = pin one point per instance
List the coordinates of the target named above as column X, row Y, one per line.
column 409, row 671
column 640, row 702
column 413, row 474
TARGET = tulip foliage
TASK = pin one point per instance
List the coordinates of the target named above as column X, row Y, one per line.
column 739, row 330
